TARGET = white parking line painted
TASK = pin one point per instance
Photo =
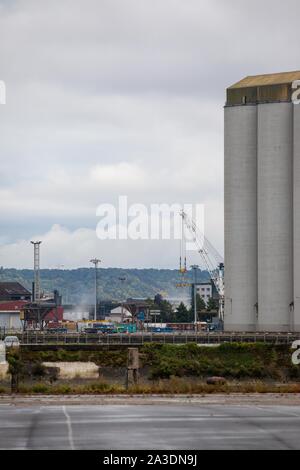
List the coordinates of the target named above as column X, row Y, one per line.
column 69, row 425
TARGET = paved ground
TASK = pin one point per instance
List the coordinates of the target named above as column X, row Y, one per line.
column 164, row 427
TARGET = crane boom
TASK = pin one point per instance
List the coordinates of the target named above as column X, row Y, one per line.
column 207, row 251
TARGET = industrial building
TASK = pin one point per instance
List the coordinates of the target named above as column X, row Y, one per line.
column 13, row 297
column 207, row 290
column 11, row 291
column 262, row 205
column 119, row 315
column 10, row 315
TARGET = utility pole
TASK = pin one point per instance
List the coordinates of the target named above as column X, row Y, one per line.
column 96, row 262
column 195, row 267
column 37, row 285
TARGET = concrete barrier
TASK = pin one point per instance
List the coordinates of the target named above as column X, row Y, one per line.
column 3, row 370
column 71, row 370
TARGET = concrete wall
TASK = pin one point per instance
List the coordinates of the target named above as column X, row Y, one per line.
column 240, row 218
column 3, row 371
column 72, row 370
column 275, row 217
column 296, row 195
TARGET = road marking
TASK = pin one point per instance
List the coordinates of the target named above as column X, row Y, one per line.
column 286, row 413
column 69, row 425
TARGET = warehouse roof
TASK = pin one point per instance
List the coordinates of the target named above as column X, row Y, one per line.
column 271, row 88
column 12, row 288
column 269, row 79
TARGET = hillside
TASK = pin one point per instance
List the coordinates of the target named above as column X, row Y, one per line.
column 77, row 285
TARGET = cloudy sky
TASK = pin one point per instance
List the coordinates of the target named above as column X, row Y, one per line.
column 122, row 97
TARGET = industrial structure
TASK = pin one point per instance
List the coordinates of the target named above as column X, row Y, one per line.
column 37, row 282
column 96, row 262
column 10, row 314
column 207, row 291
column 262, row 205
column 13, row 297
column 211, row 260
column 13, row 291
column 39, row 315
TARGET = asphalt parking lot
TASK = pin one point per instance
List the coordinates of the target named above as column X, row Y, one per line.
column 162, row 427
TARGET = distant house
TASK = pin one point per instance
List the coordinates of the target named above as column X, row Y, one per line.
column 13, row 291
column 207, row 290
column 119, row 315
column 137, row 307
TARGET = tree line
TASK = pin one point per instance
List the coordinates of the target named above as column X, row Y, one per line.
column 183, row 314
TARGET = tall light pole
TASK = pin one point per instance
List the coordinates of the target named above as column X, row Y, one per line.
column 123, row 280
column 195, row 267
column 37, row 286
column 96, row 262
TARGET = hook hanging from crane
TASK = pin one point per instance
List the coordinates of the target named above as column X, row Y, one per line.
column 182, row 260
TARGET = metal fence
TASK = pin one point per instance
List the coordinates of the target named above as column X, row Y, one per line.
column 39, row 338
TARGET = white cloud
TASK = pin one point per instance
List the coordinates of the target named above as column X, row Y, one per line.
column 73, row 249
column 121, row 175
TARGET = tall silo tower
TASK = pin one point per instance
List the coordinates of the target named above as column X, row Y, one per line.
column 296, row 216
column 240, row 217
column 262, row 205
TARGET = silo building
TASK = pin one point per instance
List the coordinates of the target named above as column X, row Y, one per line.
column 262, row 204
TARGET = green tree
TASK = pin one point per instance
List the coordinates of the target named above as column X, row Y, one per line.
column 16, row 370
column 201, row 305
column 212, row 305
column 167, row 312
column 183, row 315
column 201, row 308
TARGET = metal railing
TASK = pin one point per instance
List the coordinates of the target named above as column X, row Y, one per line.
column 44, row 338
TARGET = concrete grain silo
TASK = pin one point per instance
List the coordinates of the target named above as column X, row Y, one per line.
column 296, row 217
column 262, row 205
column 275, row 218
column 240, row 216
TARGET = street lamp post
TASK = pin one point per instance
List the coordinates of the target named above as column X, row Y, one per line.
column 96, row 262
column 195, row 267
column 122, row 279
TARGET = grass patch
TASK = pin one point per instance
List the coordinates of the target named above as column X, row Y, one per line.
column 115, row 358
column 93, row 388
column 173, row 386
column 237, row 361
column 233, row 361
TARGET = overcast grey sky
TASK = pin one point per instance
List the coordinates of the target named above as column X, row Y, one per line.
column 122, row 97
